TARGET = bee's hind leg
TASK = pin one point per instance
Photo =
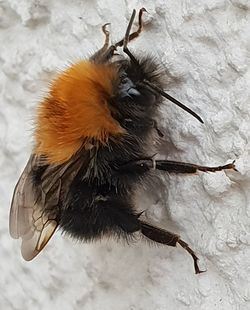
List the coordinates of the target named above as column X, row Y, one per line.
column 168, row 238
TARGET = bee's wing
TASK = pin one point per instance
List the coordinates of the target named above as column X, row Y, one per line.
column 28, row 219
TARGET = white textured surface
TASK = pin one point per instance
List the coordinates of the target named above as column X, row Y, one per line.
column 205, row 46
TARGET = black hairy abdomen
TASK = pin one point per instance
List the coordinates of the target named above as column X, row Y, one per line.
column 102, row 202
column 92, row 212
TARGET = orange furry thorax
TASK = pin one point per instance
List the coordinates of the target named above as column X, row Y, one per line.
column 76, row 111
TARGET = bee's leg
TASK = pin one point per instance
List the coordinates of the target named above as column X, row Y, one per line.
column 141, row 165
column 168, row 238
column 106, row 52
column 179, row 167
column 107, row 34
column 137, row 32
column 115, row 216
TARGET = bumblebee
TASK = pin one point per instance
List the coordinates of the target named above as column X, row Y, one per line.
column 93, row 148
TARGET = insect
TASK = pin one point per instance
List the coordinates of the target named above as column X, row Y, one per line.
column 93, row 147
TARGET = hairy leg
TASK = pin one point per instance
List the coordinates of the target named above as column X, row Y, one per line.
column 141, row 165
column 155, row 234
column 168, row 238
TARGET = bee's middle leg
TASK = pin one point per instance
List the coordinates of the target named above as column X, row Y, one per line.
column 171, row 166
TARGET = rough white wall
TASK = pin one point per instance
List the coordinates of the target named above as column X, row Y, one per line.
column 206, row 48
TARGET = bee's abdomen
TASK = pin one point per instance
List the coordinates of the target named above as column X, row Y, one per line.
column 101, row 215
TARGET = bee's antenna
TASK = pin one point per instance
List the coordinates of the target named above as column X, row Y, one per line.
column 126, row 37
column 156, row 89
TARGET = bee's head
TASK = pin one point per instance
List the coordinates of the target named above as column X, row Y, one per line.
column 139, row 81
column 131, row 94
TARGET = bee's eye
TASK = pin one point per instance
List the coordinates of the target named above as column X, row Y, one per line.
column 127, row 88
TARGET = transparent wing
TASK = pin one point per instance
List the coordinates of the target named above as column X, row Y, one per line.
column 27, row 217
column 34, row 209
